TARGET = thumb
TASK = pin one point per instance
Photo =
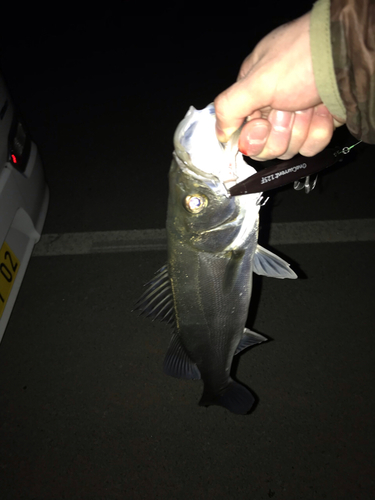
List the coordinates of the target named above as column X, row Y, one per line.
column 235, row 104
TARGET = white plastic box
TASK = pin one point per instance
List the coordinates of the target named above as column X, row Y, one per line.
column 24, row 200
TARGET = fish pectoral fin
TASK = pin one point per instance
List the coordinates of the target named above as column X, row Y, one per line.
column 236, row 398
column 177, row 362
column 266, row 263
column 157, row 300
column 249, row 338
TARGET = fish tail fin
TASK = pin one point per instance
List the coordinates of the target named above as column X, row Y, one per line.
column 236, row 399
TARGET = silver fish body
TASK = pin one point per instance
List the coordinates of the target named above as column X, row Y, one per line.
column 205, row 289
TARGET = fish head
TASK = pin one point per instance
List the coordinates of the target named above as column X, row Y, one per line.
column 201, row 211
column 196, row 144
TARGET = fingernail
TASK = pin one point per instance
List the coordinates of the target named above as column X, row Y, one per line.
column 258, row 134
column 220, row 134
column 254, row 140
column 224, row 135
column 321, row 110
column 281, row 120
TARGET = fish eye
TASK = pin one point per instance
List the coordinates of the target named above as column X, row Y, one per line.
column 195, row 203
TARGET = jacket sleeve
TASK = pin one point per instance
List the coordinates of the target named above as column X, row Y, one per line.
column 342, row 34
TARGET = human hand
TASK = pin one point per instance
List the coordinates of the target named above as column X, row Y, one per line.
column 276, row 94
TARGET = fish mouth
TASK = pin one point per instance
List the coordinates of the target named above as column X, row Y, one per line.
column 223, row 225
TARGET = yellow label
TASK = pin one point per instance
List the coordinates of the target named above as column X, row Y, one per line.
column 9, row 265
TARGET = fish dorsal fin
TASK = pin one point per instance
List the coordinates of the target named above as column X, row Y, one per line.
column 156, row 301
column 249, row 338
column 177, row 362
column 268, row 264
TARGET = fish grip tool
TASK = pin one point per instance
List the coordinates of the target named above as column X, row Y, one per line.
column 294, row 170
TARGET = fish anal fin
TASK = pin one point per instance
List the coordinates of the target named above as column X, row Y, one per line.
column 249, row 339
column 266, row 263
column 236, row 399
column 177, row 362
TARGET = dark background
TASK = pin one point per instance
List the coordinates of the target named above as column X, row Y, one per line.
column 103, row 95
column 86, row 411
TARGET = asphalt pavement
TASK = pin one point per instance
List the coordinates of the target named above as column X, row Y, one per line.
column 85, row 409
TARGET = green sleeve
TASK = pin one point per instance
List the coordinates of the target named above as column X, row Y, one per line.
column 321, row 53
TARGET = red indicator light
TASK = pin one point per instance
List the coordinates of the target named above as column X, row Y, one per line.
column 14, row 159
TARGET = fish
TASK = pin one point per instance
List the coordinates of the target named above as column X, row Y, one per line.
column 204, row 290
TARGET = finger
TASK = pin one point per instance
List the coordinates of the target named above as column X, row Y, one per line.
column 301, row 125
column 253, row 137
column 231, row 109
column 236, row 103
column 320, row 132
column 279, row 136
